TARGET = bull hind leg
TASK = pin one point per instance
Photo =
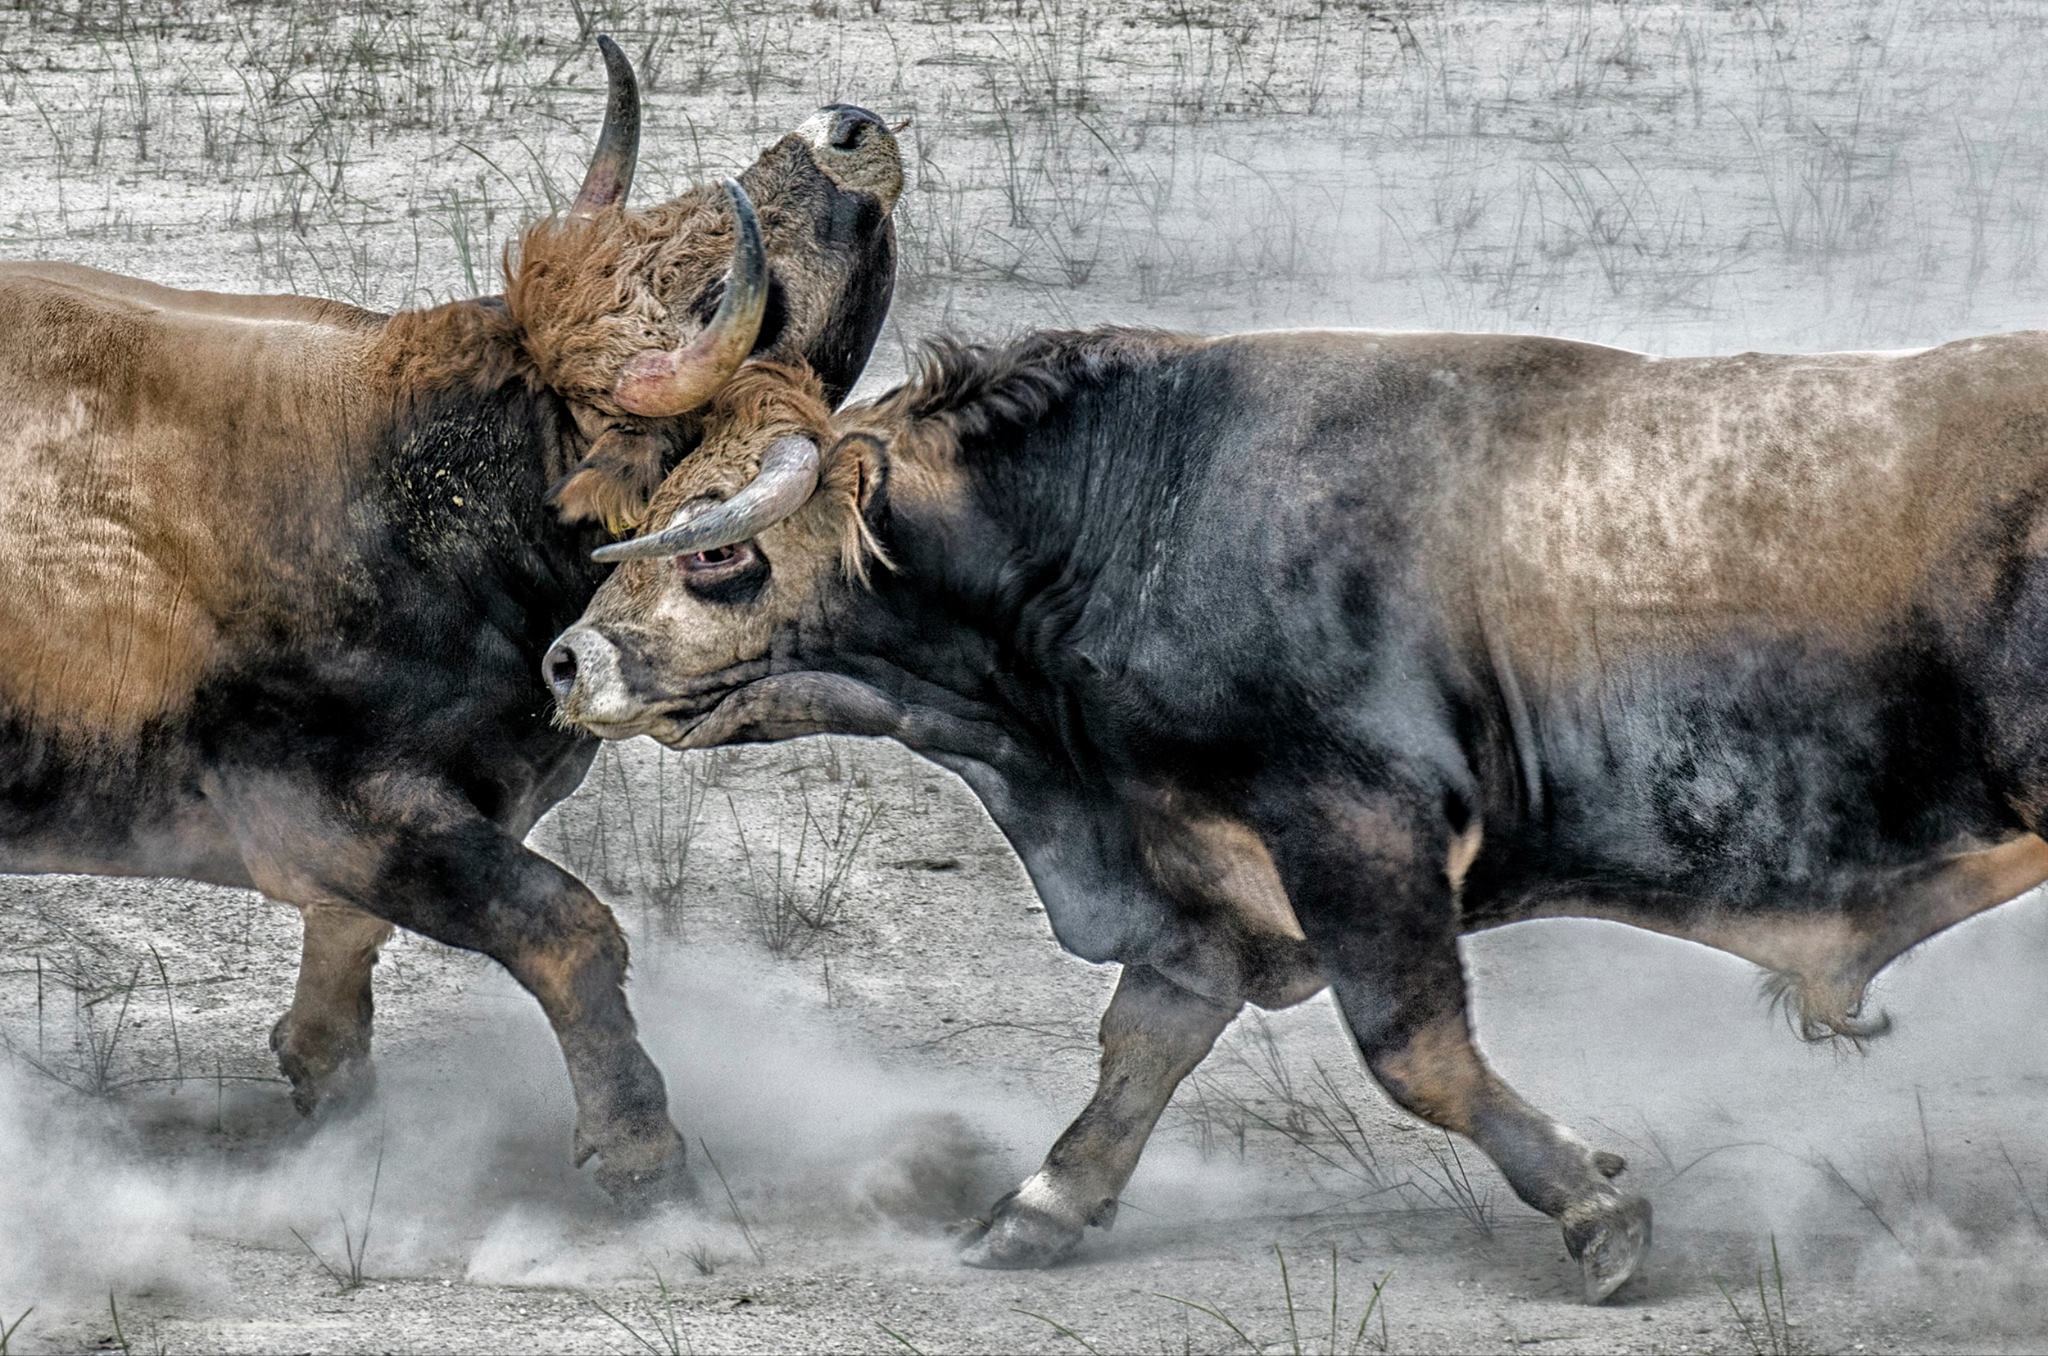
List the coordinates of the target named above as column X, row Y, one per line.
column 322, row 1041
column 1153, row 1035
column 1370, row 879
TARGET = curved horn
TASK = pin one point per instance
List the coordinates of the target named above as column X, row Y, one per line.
column 656, row 384
column 618, row 146
column 788, row 477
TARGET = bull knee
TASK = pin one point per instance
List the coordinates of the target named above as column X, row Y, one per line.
column 1433, row 1071
column 571, row 955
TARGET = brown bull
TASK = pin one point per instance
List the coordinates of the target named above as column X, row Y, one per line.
column 276, row 572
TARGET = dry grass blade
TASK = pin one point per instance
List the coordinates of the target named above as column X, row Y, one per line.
column 797, row 899
column 1866, row 1199
column 1769, row 1333
column 673, row 1343
column 1062, row 1329
column 2019, row 1185
column 1316, row 1118
column 732, row 1202
column 1214, row 1313
column 1454, row 1187
column 1287, row 1289
column 1373, row 1305
column 899, row 1339
column 354, row 1248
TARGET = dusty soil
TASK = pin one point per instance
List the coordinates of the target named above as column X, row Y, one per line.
column 1838, row 173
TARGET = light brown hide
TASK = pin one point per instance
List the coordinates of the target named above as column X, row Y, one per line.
column 323, row 1041
column 1217, row 863
column 157, row 443
column 1652, row 503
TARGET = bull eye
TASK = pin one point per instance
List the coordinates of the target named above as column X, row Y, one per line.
column 724, row 574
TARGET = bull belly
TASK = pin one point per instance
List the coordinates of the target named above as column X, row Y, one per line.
column 1822, row 948
column 66, row 806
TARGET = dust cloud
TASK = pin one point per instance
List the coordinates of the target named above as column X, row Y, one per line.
column 1913, row 1168
column 466, row 1147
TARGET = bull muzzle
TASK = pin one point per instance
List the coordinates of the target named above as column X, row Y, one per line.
column 839, row 127
column 582, row 670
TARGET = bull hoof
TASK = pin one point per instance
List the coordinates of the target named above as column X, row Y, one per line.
column 328, row 1078
column 642, row 1180
column 1018, row 1237
column 1609, row 1245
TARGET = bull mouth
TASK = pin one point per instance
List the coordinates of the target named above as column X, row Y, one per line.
column 763, row 708
column 612, row 705
column 676, row 723
column 669, row 723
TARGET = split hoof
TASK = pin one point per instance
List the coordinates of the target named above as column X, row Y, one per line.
column 329, row 1078
column 1609, row 1245
column 1018, row 1237
column 640, row 1181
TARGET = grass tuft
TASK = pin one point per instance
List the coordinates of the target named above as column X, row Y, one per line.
column 1768, row 1332
column 668, row 1338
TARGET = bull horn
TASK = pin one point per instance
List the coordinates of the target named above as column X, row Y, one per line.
column 788, row 477
column 658, row 384
column 610, row 174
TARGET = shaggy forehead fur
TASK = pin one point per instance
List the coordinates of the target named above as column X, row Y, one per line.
column 588, row 295
column 763, row 402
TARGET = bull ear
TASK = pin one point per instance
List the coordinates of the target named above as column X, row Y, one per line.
column 614, row 482
column 867, row 456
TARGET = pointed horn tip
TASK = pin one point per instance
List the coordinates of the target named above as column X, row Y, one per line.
column 609, row 177
column 618, row 68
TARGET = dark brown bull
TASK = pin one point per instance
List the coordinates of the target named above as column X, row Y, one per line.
column 1285, row 659
column 275, row 573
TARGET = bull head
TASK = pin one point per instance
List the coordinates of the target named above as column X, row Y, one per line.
column 766, row 522
column 638, row 317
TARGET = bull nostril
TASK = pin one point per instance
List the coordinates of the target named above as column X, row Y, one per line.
column 559, row 668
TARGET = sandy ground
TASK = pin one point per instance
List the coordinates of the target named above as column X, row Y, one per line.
column 1848, row 173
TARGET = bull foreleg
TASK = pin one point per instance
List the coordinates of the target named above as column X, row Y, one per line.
column 1153, row 1035
column 1370, row 879
column 323, row 1040
column 421, row 858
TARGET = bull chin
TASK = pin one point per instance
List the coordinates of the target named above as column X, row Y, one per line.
column 788, row 706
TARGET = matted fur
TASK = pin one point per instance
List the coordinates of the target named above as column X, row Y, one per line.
column 462, row 345
column 584, row 297
column 973, row 390
column 587, row 295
